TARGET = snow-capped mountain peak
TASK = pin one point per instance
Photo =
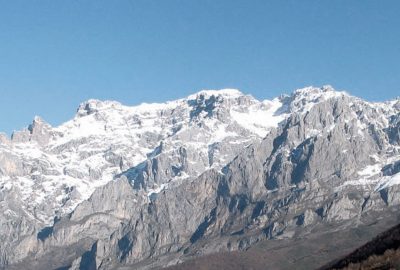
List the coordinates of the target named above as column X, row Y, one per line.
column 220, row 158
column 107, row 139
column 303, row 99
column 229, row 93
column 94, row 105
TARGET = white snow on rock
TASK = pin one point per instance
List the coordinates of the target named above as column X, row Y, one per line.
column 106, row 139
column 259, row 118
column 371, row 176
column 305, row 98
column 388, row 181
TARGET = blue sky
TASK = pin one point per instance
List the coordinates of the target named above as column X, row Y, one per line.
column 55, row 54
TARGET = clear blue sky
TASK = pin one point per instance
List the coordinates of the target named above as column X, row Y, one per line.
column 55, row 54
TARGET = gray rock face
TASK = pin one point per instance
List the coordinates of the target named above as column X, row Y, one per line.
column 206, row 181
column 38, row 131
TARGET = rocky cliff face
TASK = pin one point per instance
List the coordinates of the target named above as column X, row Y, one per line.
column 151, row 185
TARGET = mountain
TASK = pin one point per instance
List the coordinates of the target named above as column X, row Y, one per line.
column 144, row 187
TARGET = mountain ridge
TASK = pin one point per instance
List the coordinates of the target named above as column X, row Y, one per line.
column 258, row 161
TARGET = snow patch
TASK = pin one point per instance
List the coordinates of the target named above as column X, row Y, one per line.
column 156, row 190
column 388, row 181
column 370, row 170
column 260, row 120
column 233, row 93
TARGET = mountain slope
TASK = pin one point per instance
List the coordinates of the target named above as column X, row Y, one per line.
column 154, row 184
column 309, row 252
column 382, row 252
